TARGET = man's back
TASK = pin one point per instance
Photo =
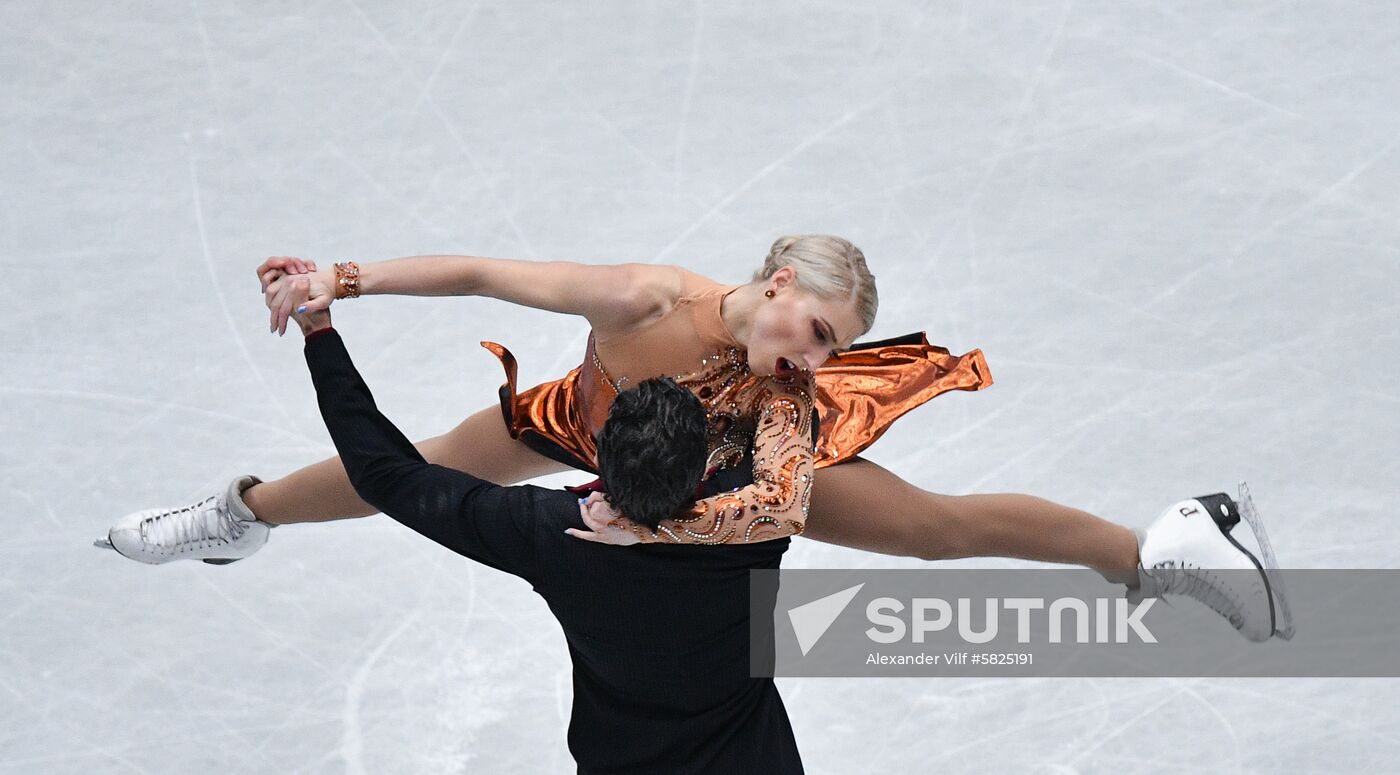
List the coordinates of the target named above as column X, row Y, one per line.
column 659, row 634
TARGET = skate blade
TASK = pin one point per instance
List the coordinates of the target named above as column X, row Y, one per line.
column 1283, row 624
column 106, row 543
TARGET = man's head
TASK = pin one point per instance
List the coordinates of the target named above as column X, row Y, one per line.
column 651, row 451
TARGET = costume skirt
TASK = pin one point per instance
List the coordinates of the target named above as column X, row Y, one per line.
column 859, row 393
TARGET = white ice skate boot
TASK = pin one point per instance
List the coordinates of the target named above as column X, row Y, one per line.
column 1189, row 551
column 219, row 529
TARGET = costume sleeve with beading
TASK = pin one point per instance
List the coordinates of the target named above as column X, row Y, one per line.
column 776, row 504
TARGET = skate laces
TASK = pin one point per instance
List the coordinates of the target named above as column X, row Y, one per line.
column 200, row 525
column 1197, row 583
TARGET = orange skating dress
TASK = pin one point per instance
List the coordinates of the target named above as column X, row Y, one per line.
column 853, row 398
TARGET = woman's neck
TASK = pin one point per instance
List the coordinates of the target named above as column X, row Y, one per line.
column 737, row 311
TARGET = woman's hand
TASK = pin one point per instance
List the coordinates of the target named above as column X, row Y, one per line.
column 277, row 266
column 289, row 292
column 270, row 273
column 299, row 296
column 602, row 521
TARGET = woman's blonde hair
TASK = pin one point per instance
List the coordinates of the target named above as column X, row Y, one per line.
column 829, row 267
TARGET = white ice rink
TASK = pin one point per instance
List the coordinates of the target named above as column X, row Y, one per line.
column 1173, row 228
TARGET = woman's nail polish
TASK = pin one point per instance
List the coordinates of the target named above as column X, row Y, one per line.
column 301, row 309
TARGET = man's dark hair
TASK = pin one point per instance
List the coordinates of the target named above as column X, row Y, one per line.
column 651, row 451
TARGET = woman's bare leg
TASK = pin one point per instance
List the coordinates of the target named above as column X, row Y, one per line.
column 862, row 505
column 321, row 492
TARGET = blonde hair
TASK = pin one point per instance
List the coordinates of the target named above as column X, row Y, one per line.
column 828, row 267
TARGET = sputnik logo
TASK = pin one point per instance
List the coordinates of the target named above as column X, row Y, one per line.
column 810, row 621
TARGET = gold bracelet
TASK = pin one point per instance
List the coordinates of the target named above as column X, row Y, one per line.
column 347, row 280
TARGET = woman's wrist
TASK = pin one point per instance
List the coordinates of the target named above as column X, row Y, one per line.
column 347, row 280
column 430, row 275
column 325, row 277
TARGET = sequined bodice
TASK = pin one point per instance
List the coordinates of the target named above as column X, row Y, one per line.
column 676, row 343
column 691, row 344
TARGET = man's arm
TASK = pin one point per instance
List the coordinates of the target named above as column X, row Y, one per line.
column 488, row 523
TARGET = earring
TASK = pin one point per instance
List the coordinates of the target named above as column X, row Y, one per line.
column 768, row 293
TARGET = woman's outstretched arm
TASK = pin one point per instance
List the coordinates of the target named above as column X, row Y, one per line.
column 613, row 297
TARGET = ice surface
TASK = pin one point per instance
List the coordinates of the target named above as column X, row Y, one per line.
column 1172, row 228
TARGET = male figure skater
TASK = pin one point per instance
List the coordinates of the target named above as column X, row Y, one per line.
column 658, row 633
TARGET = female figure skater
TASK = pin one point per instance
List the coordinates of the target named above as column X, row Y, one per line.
column 764, row 358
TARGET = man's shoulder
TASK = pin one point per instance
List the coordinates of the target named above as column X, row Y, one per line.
column 547, row 498
column 758, row 553
column 558, row 508
column 540, row 504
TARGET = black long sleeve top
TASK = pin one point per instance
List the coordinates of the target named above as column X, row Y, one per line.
column 658, row 634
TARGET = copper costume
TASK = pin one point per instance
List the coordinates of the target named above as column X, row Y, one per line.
column 855, row 396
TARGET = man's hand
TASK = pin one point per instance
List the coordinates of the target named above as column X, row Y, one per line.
column 603, row 523
column 297, row 296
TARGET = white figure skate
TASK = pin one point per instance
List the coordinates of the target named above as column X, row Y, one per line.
column 218, row 530
column 1189, row 550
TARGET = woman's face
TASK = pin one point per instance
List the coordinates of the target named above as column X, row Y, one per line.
column 796, row 330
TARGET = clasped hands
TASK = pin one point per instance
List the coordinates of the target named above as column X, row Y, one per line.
column 293, row 288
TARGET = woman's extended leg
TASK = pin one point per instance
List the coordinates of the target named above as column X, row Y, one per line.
column 479, row 445
column 864, row 506
column 234, row 524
